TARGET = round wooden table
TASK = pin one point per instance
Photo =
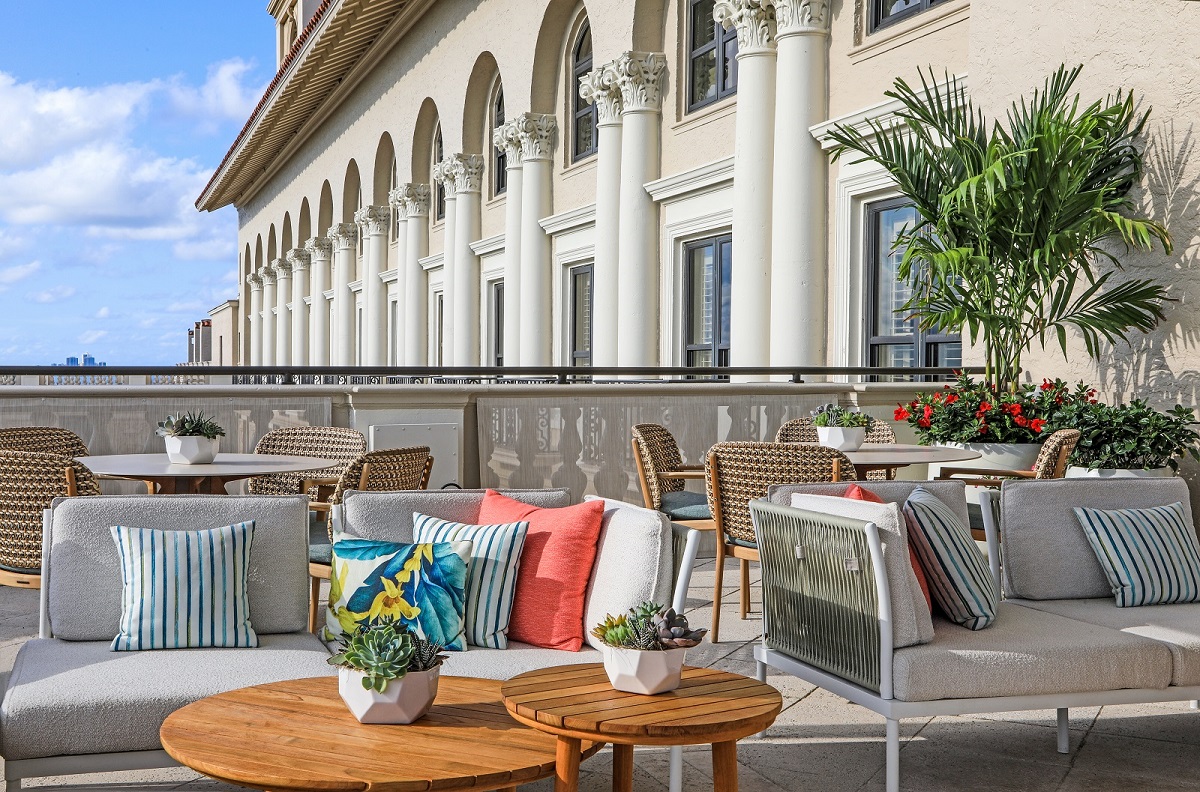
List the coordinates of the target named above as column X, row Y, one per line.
column 577, row 704
column 299, row 735
column 886, row 456
column 211, row 478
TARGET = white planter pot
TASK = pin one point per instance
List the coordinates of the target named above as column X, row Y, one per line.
column 843, row 438
column 191, row 450
column 647, row 673
column 1082, row 472
column 998, row 456
column 402, row 701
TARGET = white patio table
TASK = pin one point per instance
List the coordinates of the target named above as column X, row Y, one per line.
column 212, row 478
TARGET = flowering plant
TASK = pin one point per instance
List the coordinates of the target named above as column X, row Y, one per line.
column 980, row 412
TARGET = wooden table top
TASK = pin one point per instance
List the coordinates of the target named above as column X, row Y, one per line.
column 577, row 701
column 299, row 735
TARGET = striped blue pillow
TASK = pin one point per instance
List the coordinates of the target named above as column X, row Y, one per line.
column 491, row 575
column 958, row 575
column 184, row 588
column 1150, row 556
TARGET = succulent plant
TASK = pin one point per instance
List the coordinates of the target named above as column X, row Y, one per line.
column 835, row 415
column 614, row 630
column 674, row 632
column 385, row 650
column 190, row 425
column 648, row 627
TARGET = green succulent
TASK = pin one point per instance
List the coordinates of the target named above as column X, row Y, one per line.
column 190, row 425
column 385, row 650
column 833, row 415
column 614, row 630
column 674, row 632
column 648, row 627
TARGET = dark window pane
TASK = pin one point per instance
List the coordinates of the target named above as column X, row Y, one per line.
column 704, row 26
column 704, row 77
column 701, row 295
column 583, row 134
column 729, row 75
column 891, row 293
column 581, row 316
column 726, row 265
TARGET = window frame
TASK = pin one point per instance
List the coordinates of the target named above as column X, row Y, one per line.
column 581, row 109
column 876, row 20
column 579, row 357
column 496, row 292
column 721, row 38
column 499, row 153
column 719, row 347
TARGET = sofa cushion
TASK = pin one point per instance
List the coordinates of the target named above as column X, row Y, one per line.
column 1150, row 556
column 1177, row 626
column 84, row 580
column 1027, row 652
column 855, row 492
column 77, row 697
column 685, row 505
column 516, row 659
column 1045, row 552
column 952, row 493
column 388, row 516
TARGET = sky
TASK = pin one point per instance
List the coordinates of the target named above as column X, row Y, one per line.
column 113, row 116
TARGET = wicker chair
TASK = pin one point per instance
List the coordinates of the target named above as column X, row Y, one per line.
column 797, row 430
column 29, row 481
column 738, row 473
column 802, row 430
column 662, row 474
column 327, row 442
column 43, row 440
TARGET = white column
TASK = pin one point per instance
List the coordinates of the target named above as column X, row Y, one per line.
column 374, row 220
column 416, row 329
column 283, row 319
column 750, row 309
column 798, row 242
column 268, row 313
column 508, row 139
column 255, row 282
column 446, row 172
column 601, row 88
column 320, row 251
column 640, row 77
column 538, row 135
column 298, row 259
column 399, row 210
column 465, row 308
column 344, row 236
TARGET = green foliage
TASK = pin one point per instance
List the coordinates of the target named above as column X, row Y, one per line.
column 1016, row 217
column 383, row 649
column 833, row 415
column 190, row 425
column 648, row 627
column 1132, row 436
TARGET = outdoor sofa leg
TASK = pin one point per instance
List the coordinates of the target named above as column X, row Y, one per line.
column 1064, row 736
column 893, row 756
column 760, row 672
column 675, row 780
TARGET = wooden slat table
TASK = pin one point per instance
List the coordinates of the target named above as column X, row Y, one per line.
column 299, row 735
column 578, row 705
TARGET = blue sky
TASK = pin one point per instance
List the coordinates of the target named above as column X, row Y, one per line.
column 112, row 118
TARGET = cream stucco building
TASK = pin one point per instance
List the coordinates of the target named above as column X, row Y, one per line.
column 628, row 182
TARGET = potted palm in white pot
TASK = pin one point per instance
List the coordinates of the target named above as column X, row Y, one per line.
column 190, row 439
column 644, row 649
column 386, row 674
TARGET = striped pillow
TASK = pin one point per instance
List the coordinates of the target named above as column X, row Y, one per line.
column 491, row 575
column 1149, row 555
column 957, row 572
column 184, row 588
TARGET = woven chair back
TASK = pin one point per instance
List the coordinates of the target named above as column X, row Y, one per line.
column 880, row 433
column 388, row 470
column 658, row 453
column 1051, row 461
column 29, row 481
column 797, row 430
column 738, row 473
column 327, row 442
column 43, row 440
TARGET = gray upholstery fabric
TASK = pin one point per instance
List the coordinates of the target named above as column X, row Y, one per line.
column 911, row 622
column 84, row 578
column 952, row 493
column 1027, row 652
column 80, row 698
column 1046, row 553
column 387, row 516
column 685, row 505
column 1177, row 626
column 516, row 659
column 633, row 564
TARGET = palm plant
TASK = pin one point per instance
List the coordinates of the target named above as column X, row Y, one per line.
column 1018, row 217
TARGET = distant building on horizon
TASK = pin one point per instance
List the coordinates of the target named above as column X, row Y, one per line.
column 88, row 360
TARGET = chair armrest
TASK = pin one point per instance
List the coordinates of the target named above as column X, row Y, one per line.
column 682, row 474
column 691, row 467
column 948, row 473
column 988, row 501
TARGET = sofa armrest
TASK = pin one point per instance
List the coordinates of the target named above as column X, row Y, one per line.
column 989, row 501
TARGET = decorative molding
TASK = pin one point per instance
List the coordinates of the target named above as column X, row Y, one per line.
column 434, row 262
column 570, row 220
column 390, row 276
column 416, row 199
column 468, row 173
column 883, row 113
column 754, row 21
column 446, row 173
column 859, row 21
column 717, row 175
column 640, row 76
column 937, row 17
column 374, row 220
column 319, row 248
column 601, row 88
column 507, row 138
column 299, row 259
column 538, row 134
column 489, row 245
column 356, row 286
column 793, row 17
column 328, row 294
column 343, row 235
column 398, row 204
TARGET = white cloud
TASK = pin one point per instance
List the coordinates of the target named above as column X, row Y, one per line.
column 223, row 96
column 18, row 272
column 53, row 294
column 91, row 336
column 103, row 313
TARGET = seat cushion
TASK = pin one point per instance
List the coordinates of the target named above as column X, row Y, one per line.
column 1027, row 652
column 320, row 554
column 684, row 505
column 75, row 697
column 388, row 516
column 1177, row 626
column 516, row 659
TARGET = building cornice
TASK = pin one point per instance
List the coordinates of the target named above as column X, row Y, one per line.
column 489, row 245
column 706, row 178
column 570, row 220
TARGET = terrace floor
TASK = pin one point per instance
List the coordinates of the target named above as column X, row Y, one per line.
column 821, row 743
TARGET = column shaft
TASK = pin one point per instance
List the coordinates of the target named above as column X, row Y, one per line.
column 373, row 222
column 268, row 314
column 345, row 237
column 508, row 139
column 254, row 281
column 283, row 318
column 602, row 88
column 538, row 134
column 299, row 259
column 320, row 250
column 416, row 289
column 396, row 199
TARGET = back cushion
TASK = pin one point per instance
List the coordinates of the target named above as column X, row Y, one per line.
column 84, row 586
column 388, row 516
column 1047, row 555
column 951, row 493
column 633, row 564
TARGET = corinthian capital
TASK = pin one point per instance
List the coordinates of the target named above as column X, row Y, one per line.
column 468, row 172
column 754, row 21
column 318, row 248
column 446, row 172
column 254, row 281
column 283, row 269
column 343, row 235
column 299, row 259
column 268, row 273
column 640, row 78
column 415, row 198
column 507, row 138
column 600, row 87
column 396, row 201
column 801, row 16
column 374, row 220
column 538, row 135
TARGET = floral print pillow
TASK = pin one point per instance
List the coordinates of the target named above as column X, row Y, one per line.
column 421, row 585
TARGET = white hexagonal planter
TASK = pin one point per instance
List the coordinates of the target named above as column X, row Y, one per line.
column 647, row 673
column 191, row 450
column 402, row 701
column 843, row 438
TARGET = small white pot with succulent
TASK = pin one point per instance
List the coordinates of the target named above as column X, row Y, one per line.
column 840, row 428
column 386, row 674
column 191, row 439
column 645, row 648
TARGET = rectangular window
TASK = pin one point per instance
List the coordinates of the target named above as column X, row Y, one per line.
column 581, row 315
column 393, row 324
column 712, row 60
column 498, row 323
column 708, row 275
column 887, row 12
column 893, row 337
column 439, row 334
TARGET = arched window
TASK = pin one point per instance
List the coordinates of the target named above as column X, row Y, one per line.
column 584, row 136
column 499, row 153
column 439, row 189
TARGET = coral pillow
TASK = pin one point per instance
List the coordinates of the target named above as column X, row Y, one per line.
column 556, row 565
column 855, row 492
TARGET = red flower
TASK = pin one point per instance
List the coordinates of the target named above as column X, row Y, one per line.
column 951, row 398
column 937, row 397
column 1021, row 420
column 1012, row 409
column 983, row 428
column 1058, row 399
column 923, row 423
column 1047, row 385
column 901, row 413
column 912, row 405
column 928, row 412
column 1037, row 425
column 984, row 407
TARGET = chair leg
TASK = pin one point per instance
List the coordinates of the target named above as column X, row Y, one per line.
column 1064, row 736
column 744, row 569
column 314, row 595
column 893, row 757
column 720, row 580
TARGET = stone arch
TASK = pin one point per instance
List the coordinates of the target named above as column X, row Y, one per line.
column 477, row 109
column 422, row 147
column 247, row 265
column 351, row 192
column 650, row 25
column 385, row 170
column 304, row 223
column 285, row 236
column 258, row 253
column 561, row 17
column 272, row 245
column 325, row 210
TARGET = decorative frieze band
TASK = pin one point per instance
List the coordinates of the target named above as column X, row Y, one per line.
column 600, row 87
column 299, row 259
column 319, row 248
column 639, row 75
column 800, row 16
column 538, row 135
column 374, row 220
column 343, row 235
column 754, row 21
